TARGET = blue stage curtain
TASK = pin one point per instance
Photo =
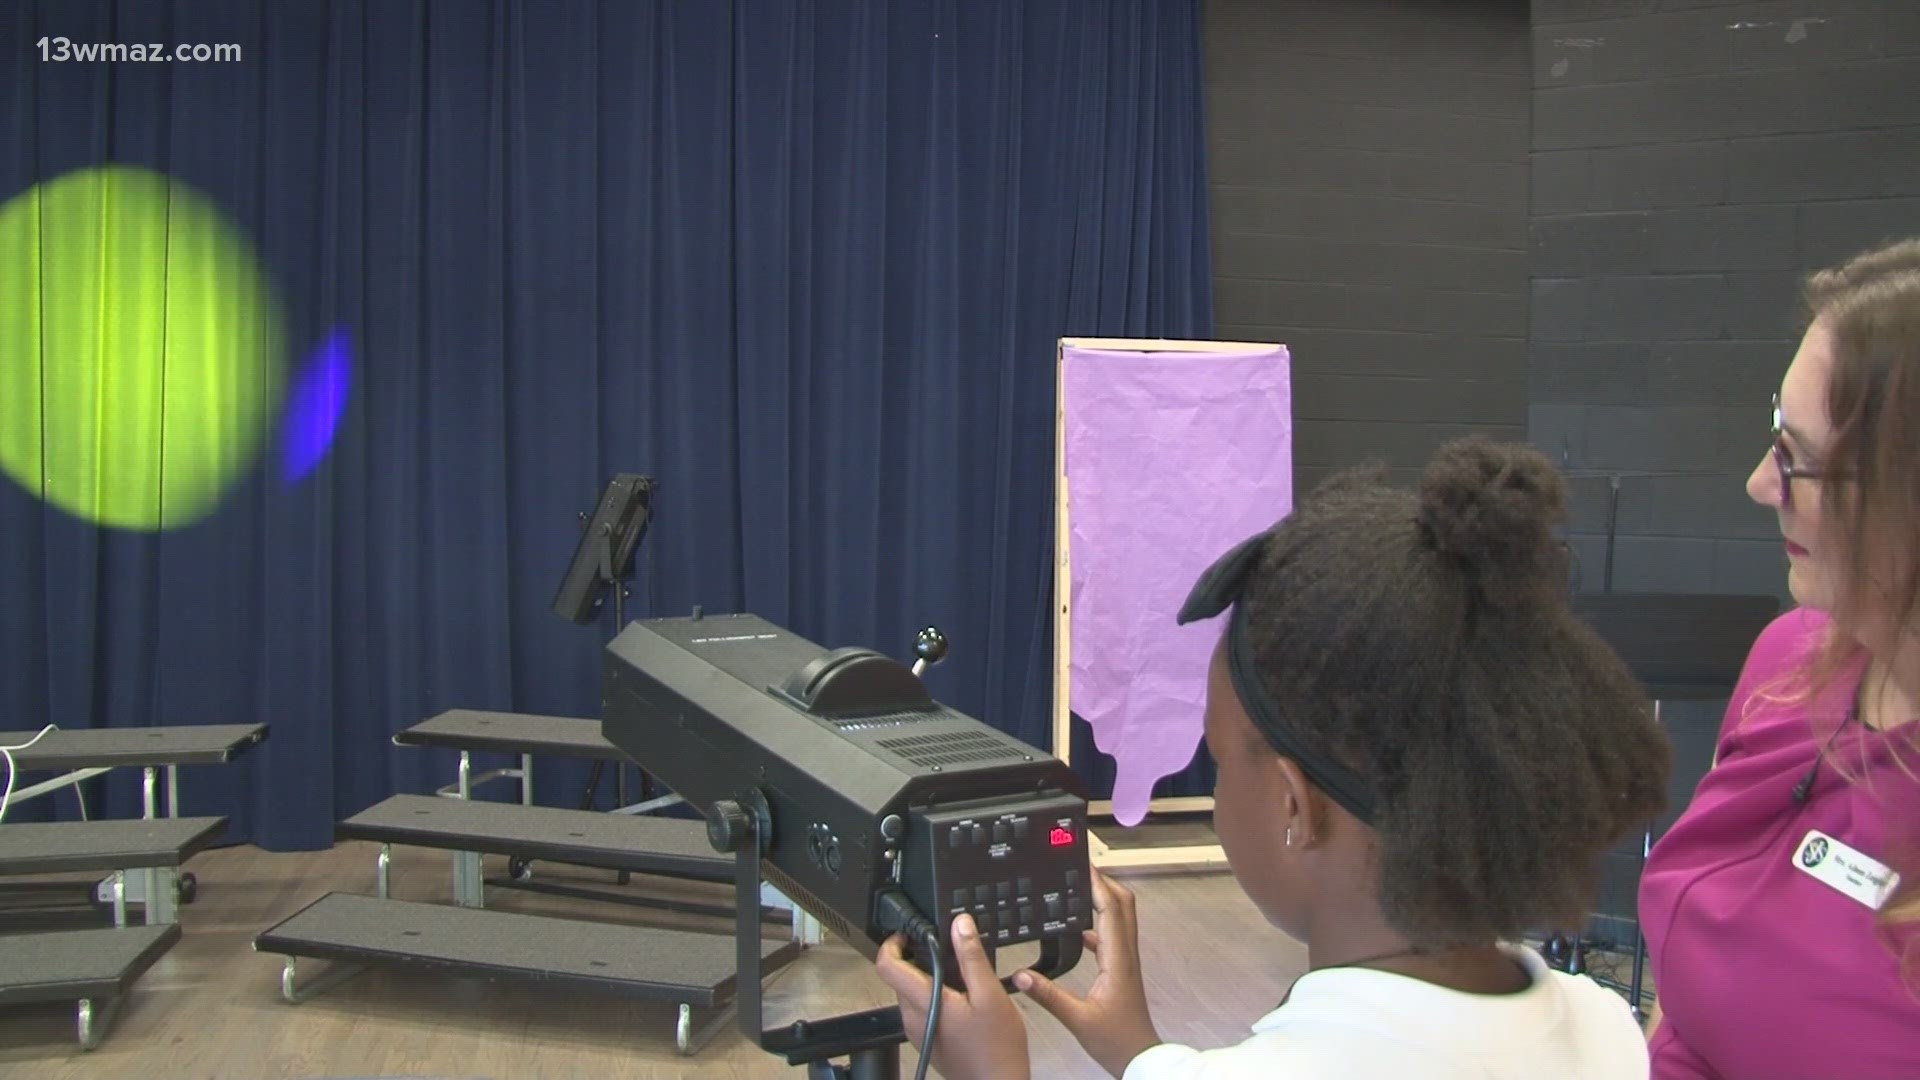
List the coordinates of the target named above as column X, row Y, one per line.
column 804, row 262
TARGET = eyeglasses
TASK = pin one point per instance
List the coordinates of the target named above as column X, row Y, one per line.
column 1783, row 460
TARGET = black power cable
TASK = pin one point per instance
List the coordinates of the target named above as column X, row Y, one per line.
column 897, row 913
column 931, row 942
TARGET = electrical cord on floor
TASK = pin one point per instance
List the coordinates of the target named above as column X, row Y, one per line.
column 897, row 913
column 6, row 753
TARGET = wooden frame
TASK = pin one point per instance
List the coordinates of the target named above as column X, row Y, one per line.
column 1101, row 852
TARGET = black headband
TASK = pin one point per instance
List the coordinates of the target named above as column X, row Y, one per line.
column 1220, row 587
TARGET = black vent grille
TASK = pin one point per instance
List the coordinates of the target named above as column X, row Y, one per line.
column 808, row 902
column 948, row 748
column 882, row 721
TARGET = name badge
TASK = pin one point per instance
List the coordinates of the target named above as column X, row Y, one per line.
column 1861, row 877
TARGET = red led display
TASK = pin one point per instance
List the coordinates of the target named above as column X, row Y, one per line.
column 1062, row 838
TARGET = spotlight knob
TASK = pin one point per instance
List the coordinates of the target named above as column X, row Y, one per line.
column 728, row 826
column 931, row 645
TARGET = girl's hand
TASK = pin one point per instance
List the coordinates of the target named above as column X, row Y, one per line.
column 981, row 1034
column 1111, row 1023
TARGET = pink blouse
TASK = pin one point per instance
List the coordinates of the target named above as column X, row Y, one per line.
column 1763, row 970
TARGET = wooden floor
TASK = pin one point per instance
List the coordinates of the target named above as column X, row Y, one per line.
column 212, row 1008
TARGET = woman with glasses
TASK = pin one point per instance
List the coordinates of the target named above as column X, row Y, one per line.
column 1782, row 910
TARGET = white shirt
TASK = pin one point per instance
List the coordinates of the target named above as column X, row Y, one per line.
column 1356, row 1024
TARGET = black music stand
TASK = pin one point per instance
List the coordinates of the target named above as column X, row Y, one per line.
column 603, row 559
column 1682, row 647
column 602, row 563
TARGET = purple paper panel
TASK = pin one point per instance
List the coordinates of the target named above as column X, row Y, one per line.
column 1171, row 458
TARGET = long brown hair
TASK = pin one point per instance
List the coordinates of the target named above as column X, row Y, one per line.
column 1870, row 306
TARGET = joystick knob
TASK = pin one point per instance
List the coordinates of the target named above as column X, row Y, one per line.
column 930, row 647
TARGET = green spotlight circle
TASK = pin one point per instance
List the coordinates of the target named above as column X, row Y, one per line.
column 141, row 359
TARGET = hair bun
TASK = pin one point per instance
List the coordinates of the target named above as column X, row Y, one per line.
column 1492, row 505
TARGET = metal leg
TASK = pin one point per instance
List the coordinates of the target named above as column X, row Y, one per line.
column 149, row 889
column 473, row 782
column 1639, row 974
column 120, row 898
column 334, row 976
column 94, row 1027
column 526, row 779
column 807, row 930
column 468, row 888
column 1639, row 930
column 149, row 879
column 620, row 799
column 162, row 900
column 173, row 791
column 687, row 1039
column 1640, row 941
column 383, row 871
column 72, row 779
column 650, row 805
column 466, row 864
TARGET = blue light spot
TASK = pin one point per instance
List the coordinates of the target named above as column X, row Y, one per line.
column 318, row 399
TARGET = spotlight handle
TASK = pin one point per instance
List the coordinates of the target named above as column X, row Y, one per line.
column 930, row 647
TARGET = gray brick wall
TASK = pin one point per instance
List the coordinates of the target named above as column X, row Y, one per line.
column 1691, row 161
column 1368, row 169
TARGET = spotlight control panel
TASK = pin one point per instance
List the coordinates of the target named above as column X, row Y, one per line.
column 1019, row 867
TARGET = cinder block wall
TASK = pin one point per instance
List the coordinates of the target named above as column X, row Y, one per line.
column 1691, row 162
column 1368, row 168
